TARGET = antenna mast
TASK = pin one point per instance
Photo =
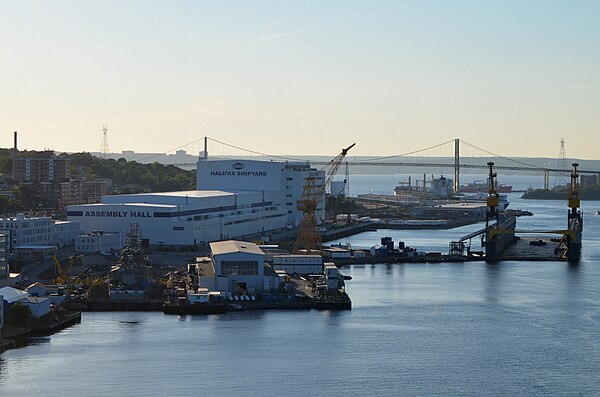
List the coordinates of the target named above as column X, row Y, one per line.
column 104, row 147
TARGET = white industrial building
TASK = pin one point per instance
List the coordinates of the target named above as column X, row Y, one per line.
column 284, row 181
column 300, row 264
column 98, row 242
column 64, row 233
column 183, row 218
column 235, row 199
column 3, row 264
column 239, row 268
column 30, row 231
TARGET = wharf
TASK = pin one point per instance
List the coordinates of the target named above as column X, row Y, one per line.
column 11, row 337
column 436, row 258
column 59, row 322
column 344, row 303
column 542, row 249
column 7, row 344
column 447, row 224
column 371, row 226
column 301, row 303
column 348, row 230
column 104, row 305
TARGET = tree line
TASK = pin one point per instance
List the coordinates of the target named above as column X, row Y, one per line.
column 126, row 176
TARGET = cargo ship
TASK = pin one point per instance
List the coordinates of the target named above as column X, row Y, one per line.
column 439, row 188
column 483, row 186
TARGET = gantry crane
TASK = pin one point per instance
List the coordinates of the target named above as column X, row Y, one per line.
column 308, row 232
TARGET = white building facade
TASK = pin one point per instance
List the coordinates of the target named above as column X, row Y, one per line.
column 3, row 263
column 38, row 231
column 301, row 264
column 65, row 233
column 284, row 181
column 99, row 242
column 184, row 218
column 239, row 268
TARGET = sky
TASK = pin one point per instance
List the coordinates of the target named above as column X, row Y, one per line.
column 302, row 77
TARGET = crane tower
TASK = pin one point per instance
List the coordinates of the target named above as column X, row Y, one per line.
column 308, row 233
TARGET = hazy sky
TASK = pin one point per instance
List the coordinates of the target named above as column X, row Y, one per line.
column 302, row 77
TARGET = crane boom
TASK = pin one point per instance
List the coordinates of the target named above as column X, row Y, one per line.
column 308, row 233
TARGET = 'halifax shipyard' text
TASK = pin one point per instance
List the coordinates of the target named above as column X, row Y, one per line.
column 238, row 173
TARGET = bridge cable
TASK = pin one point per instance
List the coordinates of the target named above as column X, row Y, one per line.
column 255, row 152
column 177, row 148
column 503, row 157
column 408, row 153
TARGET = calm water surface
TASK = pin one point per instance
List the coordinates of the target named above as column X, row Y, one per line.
column 514, row 328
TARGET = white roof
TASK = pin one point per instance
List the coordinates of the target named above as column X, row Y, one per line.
column 187, row 193
column 12, row 295
column 100, row 206
column 231, row 246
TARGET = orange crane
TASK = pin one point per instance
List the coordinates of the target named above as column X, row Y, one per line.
column 308, row 232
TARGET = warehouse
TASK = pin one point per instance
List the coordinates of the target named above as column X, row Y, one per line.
column 186, row 218
column 235, row 199
column 239, row 267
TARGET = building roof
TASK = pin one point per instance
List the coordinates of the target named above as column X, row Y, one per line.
column 232, row 246
column 37, row 284
column 36, row 299
column 12, row 295
column 335, row 249
column 186, row 193
column 100, row 206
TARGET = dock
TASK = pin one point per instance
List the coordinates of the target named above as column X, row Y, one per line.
column 533, row 249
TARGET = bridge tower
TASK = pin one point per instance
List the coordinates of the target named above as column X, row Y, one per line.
column 456, row 165
column 204, row 154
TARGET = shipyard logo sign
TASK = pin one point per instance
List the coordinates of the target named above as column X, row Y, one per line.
column 238, row 167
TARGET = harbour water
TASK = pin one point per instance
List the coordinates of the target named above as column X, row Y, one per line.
column 512, row 328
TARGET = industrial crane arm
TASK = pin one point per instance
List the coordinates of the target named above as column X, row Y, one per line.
column 308, row 235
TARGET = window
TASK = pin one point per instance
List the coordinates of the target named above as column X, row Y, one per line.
column 235, row 268
column 178, row 228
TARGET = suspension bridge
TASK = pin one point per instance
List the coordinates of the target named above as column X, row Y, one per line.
column 455, row 155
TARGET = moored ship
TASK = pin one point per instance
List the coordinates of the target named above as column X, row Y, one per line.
column 483, row 186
